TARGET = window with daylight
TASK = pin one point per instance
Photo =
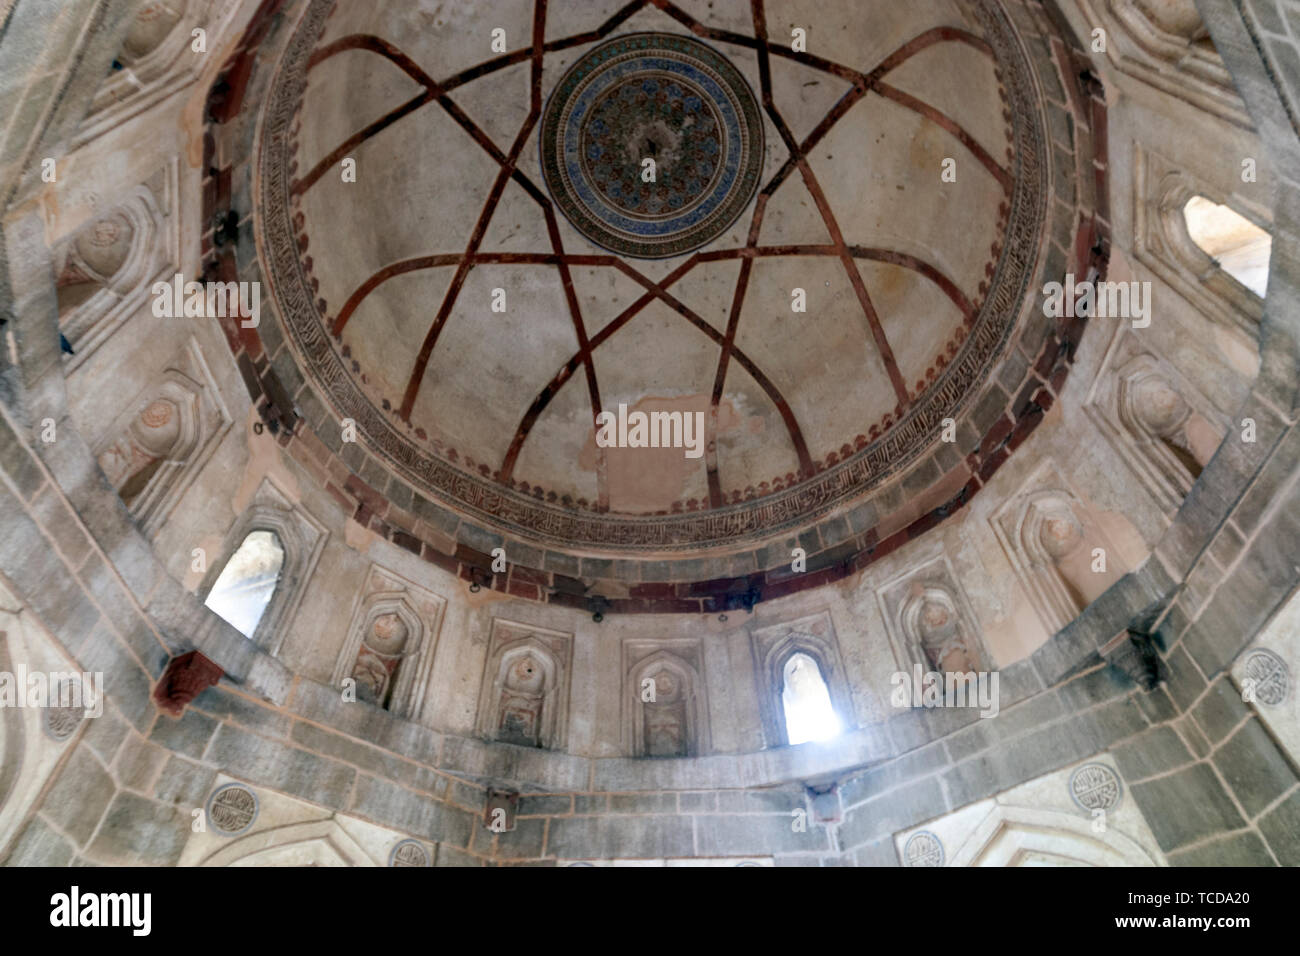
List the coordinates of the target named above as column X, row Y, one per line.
column 807, row 702
column 1240, row 247
column 248, row 581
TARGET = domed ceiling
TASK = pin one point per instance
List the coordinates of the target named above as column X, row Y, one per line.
column 825, row 260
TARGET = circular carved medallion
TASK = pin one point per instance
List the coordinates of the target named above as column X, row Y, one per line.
column 157, row 414
column 1095, row 786
column 1269, row 674
column 409, row 853
column 923, row 849
column 232, row 809
column 62, row 722
column 652, row 144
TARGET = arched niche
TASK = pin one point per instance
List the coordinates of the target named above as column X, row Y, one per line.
column 157, row 57
column 927, row 613
column 1163, row 419
column 937, row 635
column 1158, row 422
column 105, row 271
column 391, row 635
column 668, row 714
column 1053, row 538
column 151, row 445
column 1166, row 44
column 156, row 445
column 524, row 697
column 1061, row 555
column 390, row 645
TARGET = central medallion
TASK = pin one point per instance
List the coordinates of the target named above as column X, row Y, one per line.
column 652, row 144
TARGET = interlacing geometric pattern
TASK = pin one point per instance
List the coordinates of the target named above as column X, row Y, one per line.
column 493, row 494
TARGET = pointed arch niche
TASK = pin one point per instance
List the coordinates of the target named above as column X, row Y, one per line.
column 105, row 270
column 161, row 440
column 930, row 620
column 674, row 722
column 391, row 643
column 524, row 695
column 1166, row 44
column 1050, row 538
column 1159, row 423
column 311, row 843
column 1021, row 836
column 157, row 58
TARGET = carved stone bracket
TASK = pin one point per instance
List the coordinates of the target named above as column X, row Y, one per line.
column 825, row 800
column 499, row 810
column 185, row 678
column 1136, row 653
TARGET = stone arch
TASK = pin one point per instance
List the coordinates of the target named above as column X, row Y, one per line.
column 804, row 688
column 675, row 724
column 319, row 843
column 1049, row 533
column 772, row 673
column 1179, row 189
column 155, row 59
column 1052, row 546
column 1019, row 836
column 1166, row 44
column 1156, row 420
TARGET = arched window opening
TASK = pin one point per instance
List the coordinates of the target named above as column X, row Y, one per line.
column 1240, row 247
column 247, row 582
column 807, row 702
